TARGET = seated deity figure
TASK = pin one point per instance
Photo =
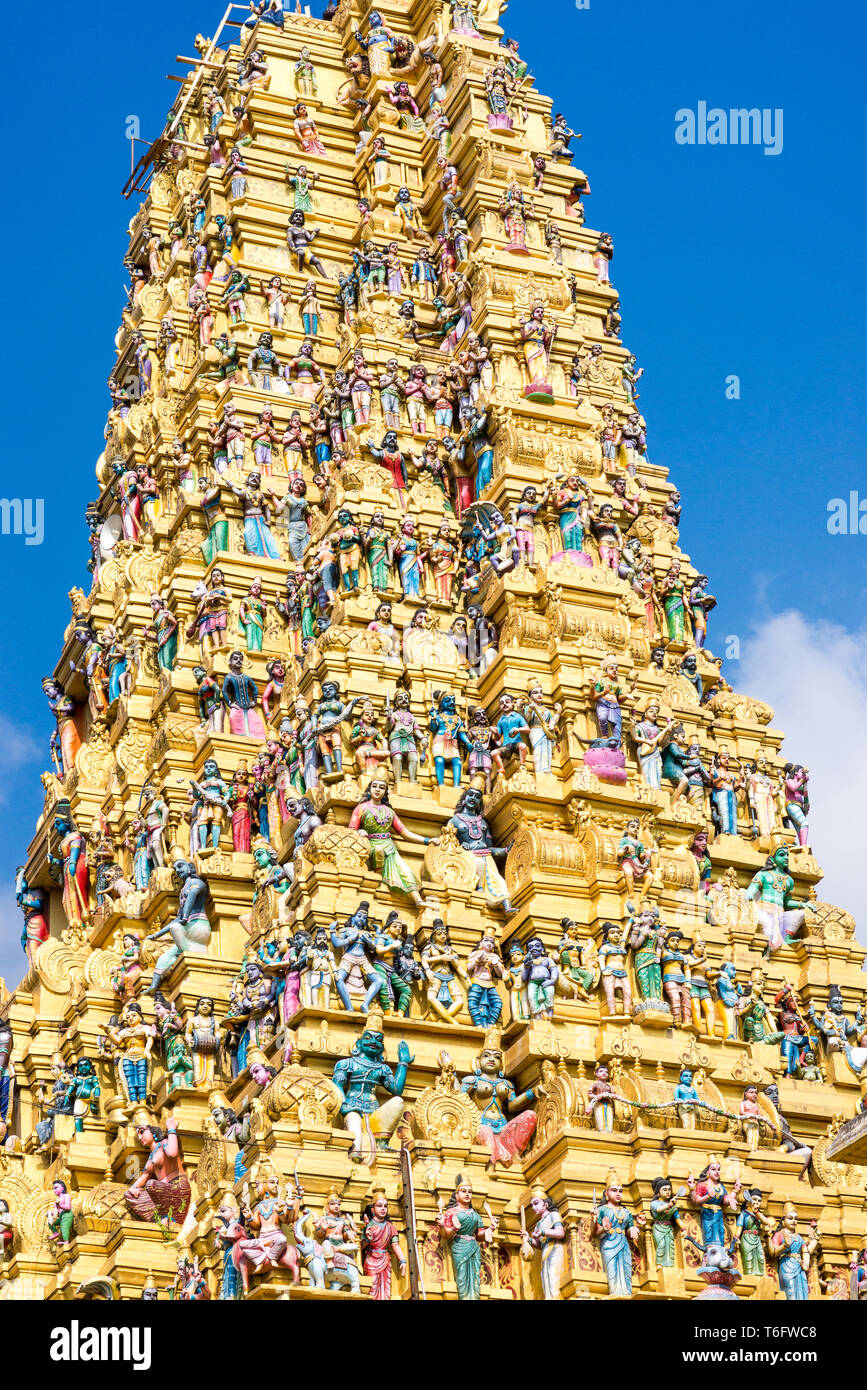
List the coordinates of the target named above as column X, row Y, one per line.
column 359, row 1077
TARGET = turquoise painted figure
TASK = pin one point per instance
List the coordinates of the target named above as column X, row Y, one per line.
column 615, row 1227
column 781, row 914
column 463, row 1227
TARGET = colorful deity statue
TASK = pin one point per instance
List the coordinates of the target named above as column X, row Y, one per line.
column 484, row 755
column 750, row 1117
column 637, row 860
column 573, row 514
column 614, row 975
column 793, row 1253
column 260, row 1242
column 328, row 1245
column 578, row 960
column 646, row 936
column 380, row 1247
column 211, row 618
column 190, row 930
column 701, row 1002
column 396, row 964
column 406, row 737
column 548, row 1238
column 59, row 1100
column 176, row 1055
column 518, row 1003
column 484, row 970
column 202, row 1039
column 156, row 818
column 375, row 818
column 357, row 944
column 33, row 903
column 751, row 1227
column 66, row 738
column 60, row 1218
column 377, row 43
column 359, row 1077
column 211, row 794
column 676, row 986
column 476, row 841
column 763, row 797
column 616, row 1229
column 164, row 626
column 836, row 1029
column 793, row 1034
column 686, row 1099
column 443, row 972
column 258, row 537
column 539, row 973
column 71, row 869
column 607, row 534
column 711, row 1196
column 162, row 1188
column 672, row 592
column 128, row 1041
column 499, row 89
column 726, row 782
column 462, row 1226
column 666, row 1221
column 497, row 1099
column 727, row 994
column 797, row 800
column 240, row 695
column 449, row 737
column 511, row 727
column 781, row 915
column 515, row 210
column 757, row 1022
column 684, row 767
column 537, row 338
column 610, row 696
column 542, row 724
column 367, row 740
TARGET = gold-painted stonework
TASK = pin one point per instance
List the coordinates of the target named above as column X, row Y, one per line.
column 415, row 910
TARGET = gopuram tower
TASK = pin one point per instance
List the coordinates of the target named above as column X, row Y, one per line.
column 415, row 910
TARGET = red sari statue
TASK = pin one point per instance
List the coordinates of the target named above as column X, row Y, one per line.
column 71, row 868
column 380, row 1246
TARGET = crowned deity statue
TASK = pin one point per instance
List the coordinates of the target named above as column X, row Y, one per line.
column 359, row 1077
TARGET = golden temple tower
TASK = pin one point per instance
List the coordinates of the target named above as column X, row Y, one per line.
column 528, row 548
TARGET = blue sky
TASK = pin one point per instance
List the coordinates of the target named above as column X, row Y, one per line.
column 728, row 261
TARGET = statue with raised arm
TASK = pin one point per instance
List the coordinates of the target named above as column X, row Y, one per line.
column 162, row 1188
column 359, row 1077
column 357, row 944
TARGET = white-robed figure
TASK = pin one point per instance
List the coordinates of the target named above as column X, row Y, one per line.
column 543, row 724
column 647, row 733
column 548, row 1237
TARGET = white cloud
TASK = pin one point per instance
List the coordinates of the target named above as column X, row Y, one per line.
column 815, row 676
